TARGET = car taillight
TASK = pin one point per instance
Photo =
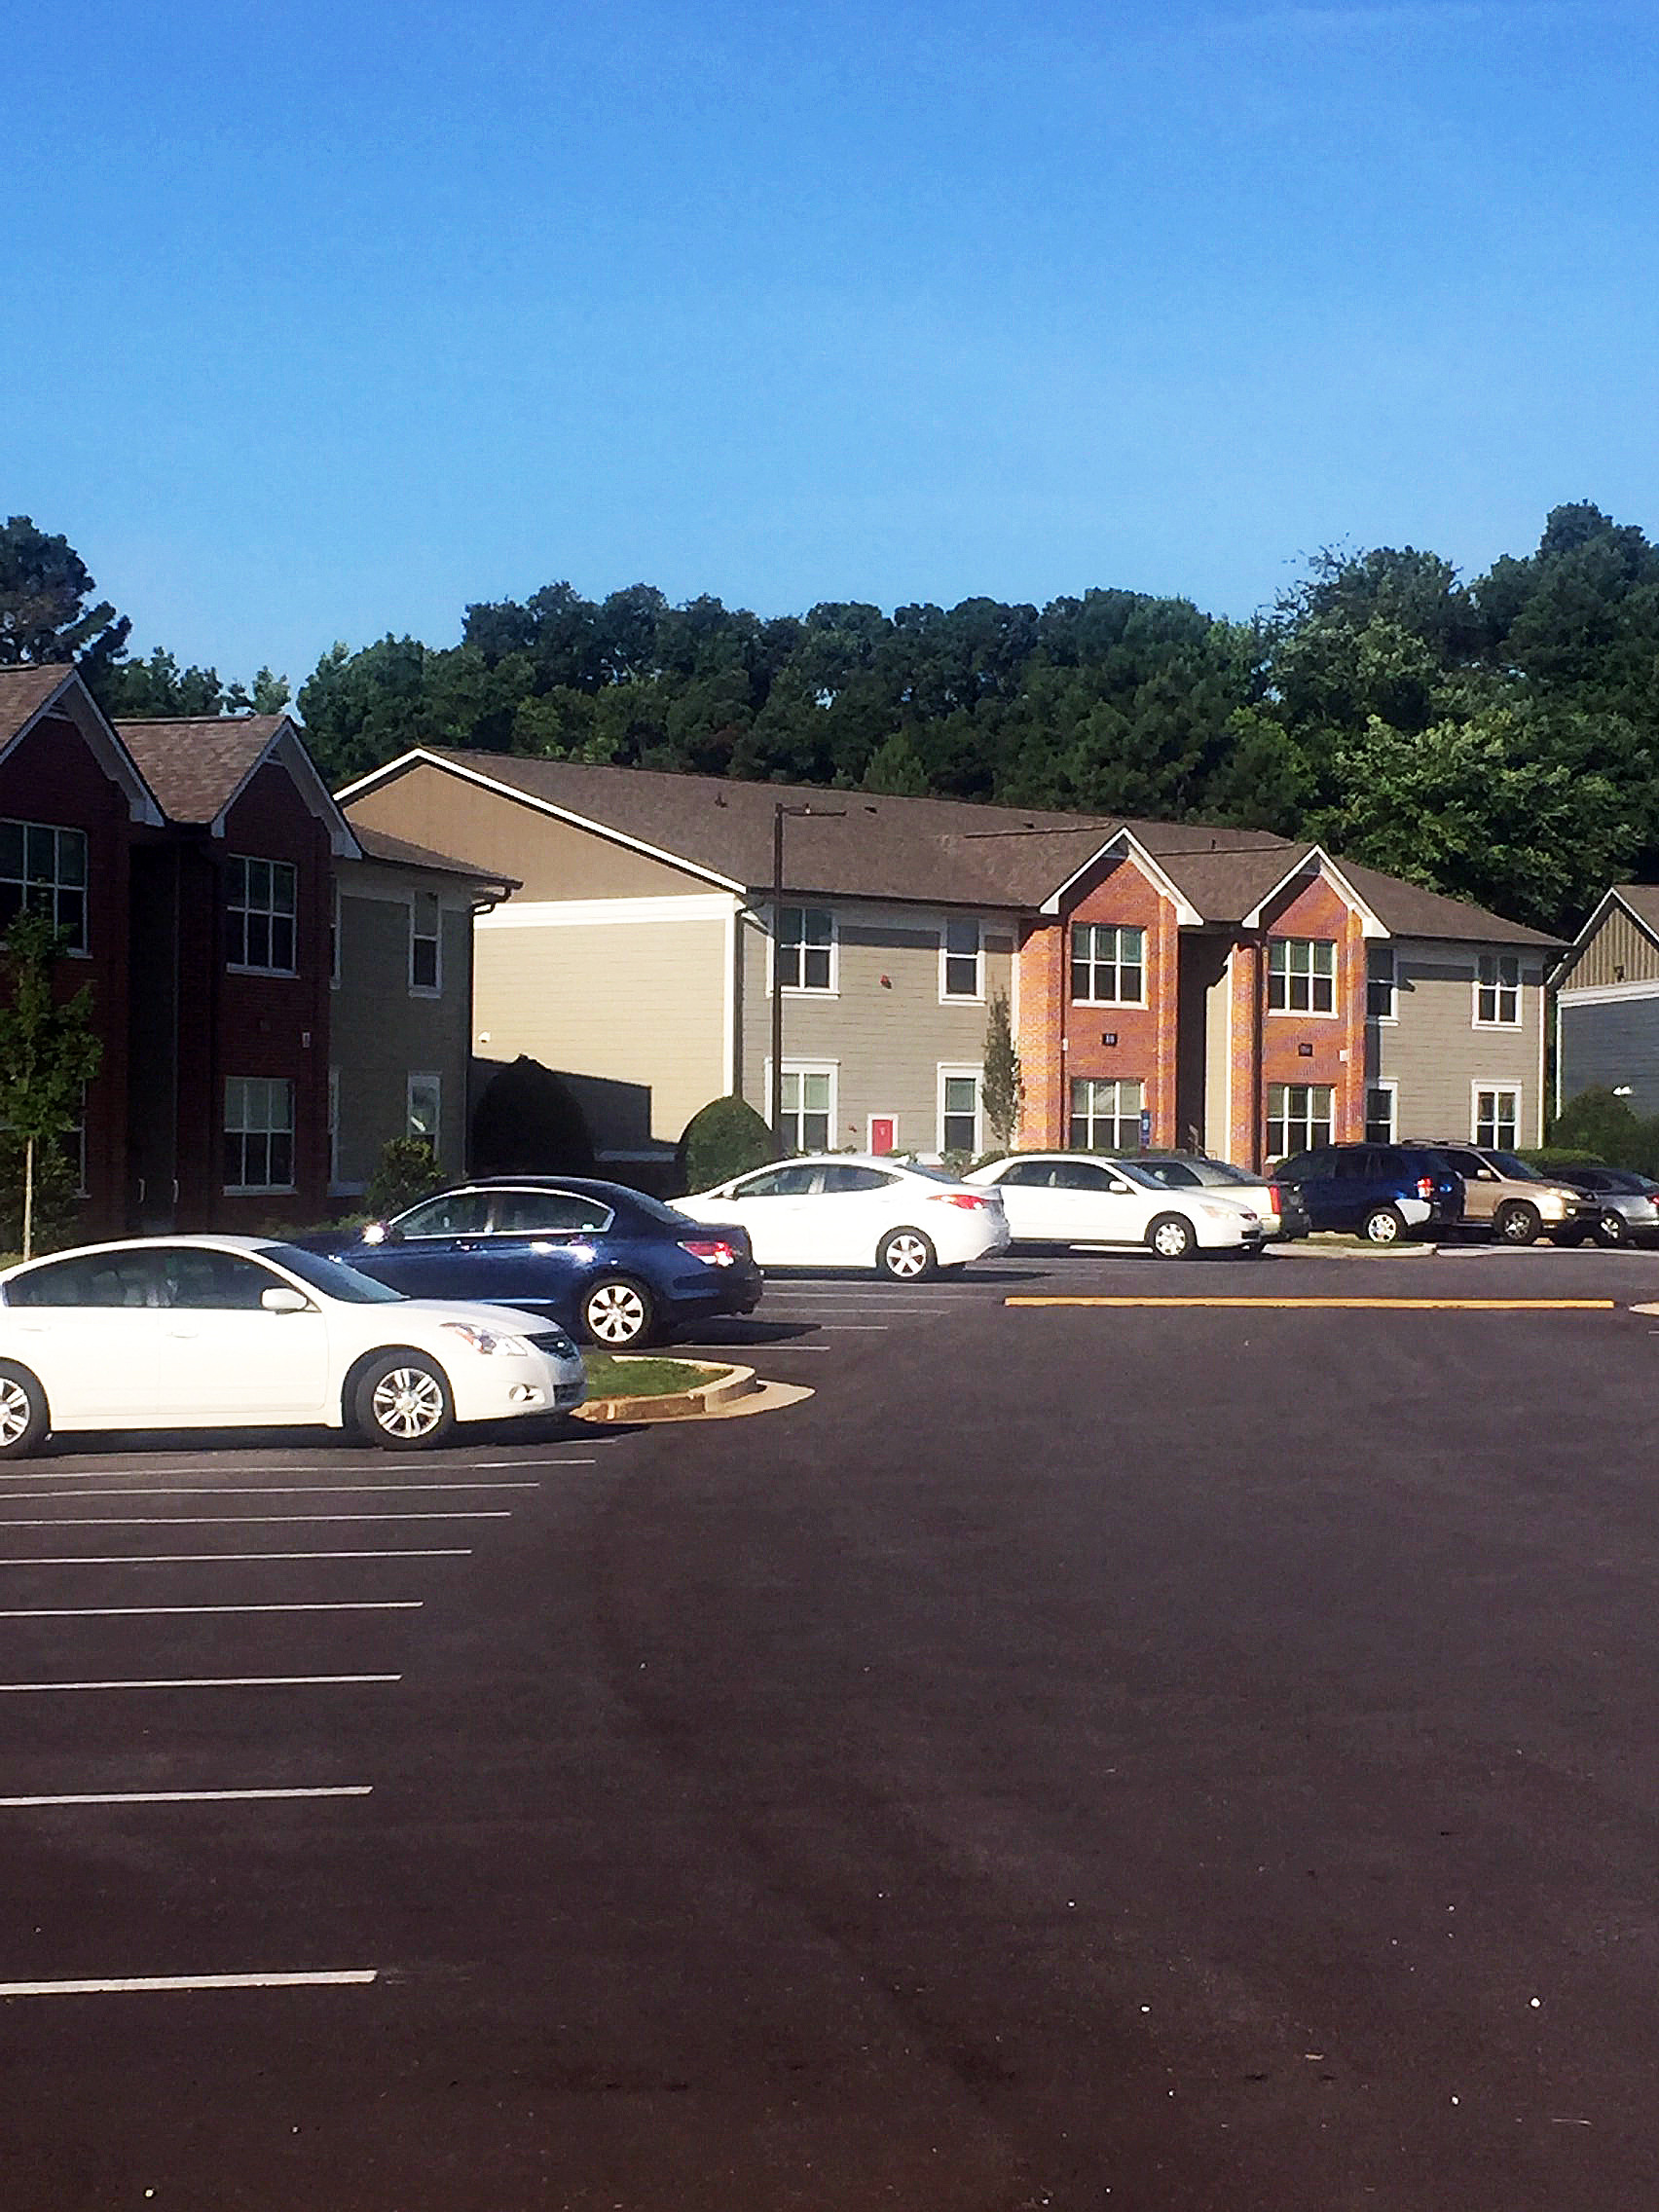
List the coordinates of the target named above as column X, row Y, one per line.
column 714, row 1251
column 1425, row 1185
column 1274, row 1200
column 970, row 1199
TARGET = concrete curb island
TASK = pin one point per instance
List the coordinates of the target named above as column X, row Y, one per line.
column 729, row 1393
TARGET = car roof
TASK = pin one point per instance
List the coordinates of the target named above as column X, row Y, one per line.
column 584, row 1186
column 199, row 1241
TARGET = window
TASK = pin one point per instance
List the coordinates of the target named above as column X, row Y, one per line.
column 260, row 905
column 217, row 1282
column 959, row 1110
column 45, row 869
column 1105, row 1117
column 549, row 1213
column 424, row 1100
column 841, row 1180
column 961, row 961
column 1379, row 983
column 779, row 1183
column 1380, row 1112
column 1496, row 1117
column 424, row 943
column 806, row 949
column 457, row 1213
column 1300, row 1116
column 1108, row 965
column 1498, row 991
column 808, row 1108
column 259, row 1133
column 1301, row 977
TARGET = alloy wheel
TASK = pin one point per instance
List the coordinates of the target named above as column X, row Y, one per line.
column 408, row 1402
column 906, row 1255
column 15, row 1411
column 617, row 1314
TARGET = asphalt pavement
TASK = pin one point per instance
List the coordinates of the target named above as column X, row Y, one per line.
column 1172, row 1756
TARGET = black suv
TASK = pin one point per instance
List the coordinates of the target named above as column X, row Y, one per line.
column 1381, row 1192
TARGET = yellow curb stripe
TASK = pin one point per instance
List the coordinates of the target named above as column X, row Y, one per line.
column 1383, row 1305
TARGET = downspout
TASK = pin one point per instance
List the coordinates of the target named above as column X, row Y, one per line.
column 477, row 908
column 1258, row 1051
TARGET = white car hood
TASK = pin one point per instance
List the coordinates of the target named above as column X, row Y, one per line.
column 511, row 1320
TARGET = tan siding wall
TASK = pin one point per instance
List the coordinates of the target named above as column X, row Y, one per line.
column 447, row 814
column 1619, row 953
column 380, row 1033
column 1435, row 1053
column 1218, row 1000
column 638, row 1003
column 890, row 1041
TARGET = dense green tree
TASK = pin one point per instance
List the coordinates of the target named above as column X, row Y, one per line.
column 45, row 586
column 49, row 1048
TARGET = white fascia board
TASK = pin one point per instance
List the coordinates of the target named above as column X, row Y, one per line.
column 1125, row 842
column 103, row 741
column 1317, row 862
column 1605, row 994
column 286, row 748
column 605, row 914
column 1608, row 900
column 421, row 758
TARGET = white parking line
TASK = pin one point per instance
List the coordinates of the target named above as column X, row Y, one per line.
column 182, row 1796
column 856, row 1329
column 202, row 1683
column 254, row 1490
column 134, row 1984
column 237, row 1520
column 110, row 1613
column 208, row 1558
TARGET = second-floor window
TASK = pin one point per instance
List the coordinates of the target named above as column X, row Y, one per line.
column 1379, row 983
column 1302, row 975
column 1498, row 991
column 44, row 868
column 962, row 975
column 1107, row 965
column 260, row 907
column 806, row 948
column 424, row 963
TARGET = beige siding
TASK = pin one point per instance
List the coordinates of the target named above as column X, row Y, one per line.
column 380, row 1032
column 884, row 1029
column 485, row 830
column 1619, row 953
column 1218, row 1064
column 640, row 1002
column 1435, row 1053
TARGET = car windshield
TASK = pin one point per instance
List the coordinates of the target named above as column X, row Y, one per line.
column 333, row 1277
column 1515, row 1167
column 1133, row 1174
column 1220, row 1171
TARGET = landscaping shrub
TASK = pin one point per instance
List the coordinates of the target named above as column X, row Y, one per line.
column 56, row 1216
column 726, row 1137
column 407, row 1171
column 1598, row 1124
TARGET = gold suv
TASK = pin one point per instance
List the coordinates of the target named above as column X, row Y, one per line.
column 1514, row 1201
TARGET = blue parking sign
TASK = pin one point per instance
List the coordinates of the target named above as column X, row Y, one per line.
column 1146, row 1127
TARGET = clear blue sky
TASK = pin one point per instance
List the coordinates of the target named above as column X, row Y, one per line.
column 325, row 319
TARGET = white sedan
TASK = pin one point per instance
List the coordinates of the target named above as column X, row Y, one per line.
column 1069, row 1197
column 222, row 1332
column 848, row 1210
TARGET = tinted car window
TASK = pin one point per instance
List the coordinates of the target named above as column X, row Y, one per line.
column 1174, row 1172
column 777, row 1182
column 553, row 1212
column 1309, row 1165
column 1357, row 1164
column 95, row 1278
column 220, row 1282
column 453, row 1213
column 1029, row 1174
column 851, row 1178
column 1081, row 1175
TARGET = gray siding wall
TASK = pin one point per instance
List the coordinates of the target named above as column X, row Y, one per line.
column 381, row 1033
column 1609, row 1043
column 1436, row 1055
column 886, row 1040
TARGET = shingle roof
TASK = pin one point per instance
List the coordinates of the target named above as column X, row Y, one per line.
column 378, row 845
column 1642, row 899
column 197, row 766
column 23, row 691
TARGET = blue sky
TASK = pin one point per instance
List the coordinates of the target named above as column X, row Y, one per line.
column 324, row 320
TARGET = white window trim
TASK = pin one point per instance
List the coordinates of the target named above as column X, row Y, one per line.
column 832, row 989
column 434, row 990
column 423, row 1075
column 1141, row 1084
column 976, row 1069
column 263, row 1189
column 976, row 996
column 1329, row 1012
column 1389, row 1084
column 1384, row 1020
column 1314, row 1142
column 1071, row 962
column 245, row 967
column 1514, row 1087
column 830, row 1068
column 1508, row 1029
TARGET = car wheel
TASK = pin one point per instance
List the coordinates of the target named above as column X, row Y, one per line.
column 1516, row 1224
column 1171, row 1236
column 23, row 1416
column 1383, row 1225
column 618, row 1314
column 905, row 1255
column 403, row 1402
column 1613, row 1229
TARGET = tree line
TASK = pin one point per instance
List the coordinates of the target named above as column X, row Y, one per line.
column 1496, row 738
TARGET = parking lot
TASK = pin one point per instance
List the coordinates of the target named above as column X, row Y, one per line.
column 1185, row 1755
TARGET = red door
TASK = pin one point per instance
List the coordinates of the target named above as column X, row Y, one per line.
column 883, row 1132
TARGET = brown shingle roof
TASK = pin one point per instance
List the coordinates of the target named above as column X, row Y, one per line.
column 23, row 691
column 195, row 766
column 1642, row 899
column 379, row 845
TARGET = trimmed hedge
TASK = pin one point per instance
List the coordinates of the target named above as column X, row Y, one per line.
column 726, row 1137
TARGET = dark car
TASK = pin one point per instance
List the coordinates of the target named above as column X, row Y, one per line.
column 608, row 1263
column 1381, row 1192
column 1627, row 1204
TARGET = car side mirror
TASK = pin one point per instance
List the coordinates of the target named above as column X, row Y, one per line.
column 1489, row 1176
column 380, row 1233
column 281, row 1299
column 1119, row 1190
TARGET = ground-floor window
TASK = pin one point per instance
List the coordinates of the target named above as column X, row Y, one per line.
column 259, row 1133
column 1497, row 1115
column 959, row 1110
column 1381, row 1111
column 1105, row 1115
column 425, row 1108
column 1300, row 1116
column 808, row 1103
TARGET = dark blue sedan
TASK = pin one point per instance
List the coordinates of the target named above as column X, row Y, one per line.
column 607, row 1263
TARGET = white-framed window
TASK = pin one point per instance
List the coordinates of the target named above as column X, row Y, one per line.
column 259, row 1133
column 1497, row 991
column 1302, row 974
column 1107, row 965
column 961, row 1104
column 333, row 1126
column 425, row 944
column 961, row 959
column 807, row 1098
column 1381, row 983
column 334, row 934
column 425, row 1105
column 1300, row 1116
column 1105, row 1115
column 44, row 868
column 805, row 952
column 1496, row 1120
column 1382, row 1113
column 260, row 905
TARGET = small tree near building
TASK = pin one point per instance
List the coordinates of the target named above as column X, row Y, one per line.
column 48, row 1050
column 1003, row 1090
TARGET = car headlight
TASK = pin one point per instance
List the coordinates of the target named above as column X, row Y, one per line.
column 1213, row 1212
column 486, row 1339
